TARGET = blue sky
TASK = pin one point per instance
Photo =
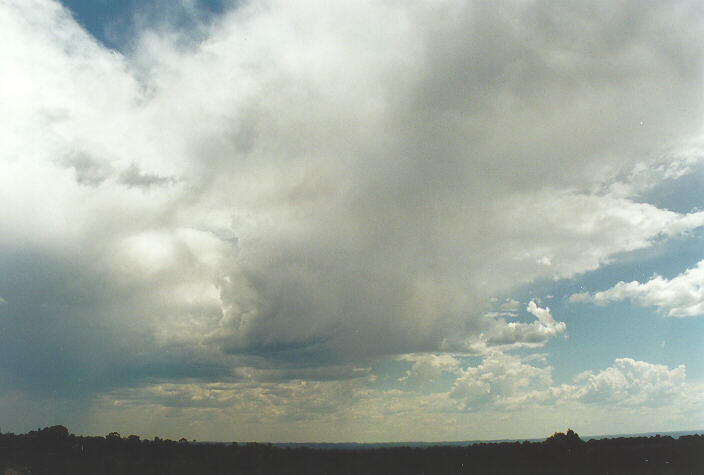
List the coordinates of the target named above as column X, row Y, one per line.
column 315, row 221
column 113, row 23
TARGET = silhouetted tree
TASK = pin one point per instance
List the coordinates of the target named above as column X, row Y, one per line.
column 569, row 440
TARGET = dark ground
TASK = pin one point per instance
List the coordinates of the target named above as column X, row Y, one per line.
column 54, row 451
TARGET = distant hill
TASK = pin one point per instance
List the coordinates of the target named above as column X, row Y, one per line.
column 461, row 443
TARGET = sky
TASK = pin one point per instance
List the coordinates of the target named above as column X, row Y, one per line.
column 265, row 220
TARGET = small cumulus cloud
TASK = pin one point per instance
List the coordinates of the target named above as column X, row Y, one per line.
column 535, row 333
column 545, row 260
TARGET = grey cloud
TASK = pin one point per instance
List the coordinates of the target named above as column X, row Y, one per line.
column 73, row 332
column 510, row 305
column 133, row 176
column 89, row 171
column 296, row 371
column 497, row 100
column 535, row 333
column 427, row 368
column 68, row 334
column 542, row 90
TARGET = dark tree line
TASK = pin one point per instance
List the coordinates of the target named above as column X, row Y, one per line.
column 54, row 451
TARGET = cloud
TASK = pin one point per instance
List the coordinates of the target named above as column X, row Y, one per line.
column 428, row 367
column 536, row 333
column 132, row 176
column 301, row 195
column 632, row 383
column 88, row 171
column 681, row 296
column 499, row 376
column 510, row 305
column 509, row 382
column 628, row 384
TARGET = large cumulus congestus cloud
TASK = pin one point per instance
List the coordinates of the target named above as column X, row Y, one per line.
column 318, row 183
column 438, row 160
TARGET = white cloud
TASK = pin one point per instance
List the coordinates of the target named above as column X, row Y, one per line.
column 500, row 376
column 631, row 383
column 543, row 224
column 681, row 296
column 512, row 383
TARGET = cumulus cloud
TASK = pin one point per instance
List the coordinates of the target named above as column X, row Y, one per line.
column 681, row 296
column 287, row 191
column 516, row 334
column 428, row 367
column 631, row 382
column 628, row 384
column 512, row 383
column 500, row 376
